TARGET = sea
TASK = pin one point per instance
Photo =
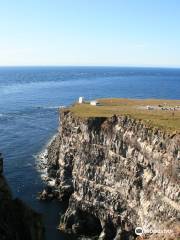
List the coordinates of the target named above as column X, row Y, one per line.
column 29, row 102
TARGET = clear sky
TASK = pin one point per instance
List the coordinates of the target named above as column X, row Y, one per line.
column 90, row 32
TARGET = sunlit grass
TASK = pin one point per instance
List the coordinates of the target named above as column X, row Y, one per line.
column 168, row 120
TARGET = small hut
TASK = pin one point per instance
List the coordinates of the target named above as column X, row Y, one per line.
column 94, row 103
column 81, row 99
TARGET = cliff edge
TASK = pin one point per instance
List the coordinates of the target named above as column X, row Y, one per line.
column 118, row 174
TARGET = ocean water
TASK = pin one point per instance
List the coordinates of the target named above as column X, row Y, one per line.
column 29, row 98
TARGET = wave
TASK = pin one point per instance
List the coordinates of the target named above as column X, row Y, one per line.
column 39, row 85
column 5, row 116
column 27, row 112
column 21, row 87
column 50, row 107
column 41, row 163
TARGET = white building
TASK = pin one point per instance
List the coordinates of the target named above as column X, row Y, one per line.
column 94, row 103
column 81, row 99
column 61, row 107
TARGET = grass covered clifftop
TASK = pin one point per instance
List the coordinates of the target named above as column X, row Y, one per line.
column 164, row 114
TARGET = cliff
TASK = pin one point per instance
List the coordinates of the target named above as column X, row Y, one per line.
column 17, row 221
column 118, row 174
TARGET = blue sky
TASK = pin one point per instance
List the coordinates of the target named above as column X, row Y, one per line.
column 90, row 32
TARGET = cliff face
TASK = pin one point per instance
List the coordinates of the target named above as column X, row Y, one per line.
column 118, row 174
column 17, row 221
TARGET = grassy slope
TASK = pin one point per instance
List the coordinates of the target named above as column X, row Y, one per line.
column 132, row 108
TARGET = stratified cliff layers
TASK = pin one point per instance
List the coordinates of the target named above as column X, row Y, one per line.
column 17, row 221
column 118, row 174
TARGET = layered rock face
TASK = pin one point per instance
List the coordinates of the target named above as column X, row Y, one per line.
column 118, row 174
column 17, row 221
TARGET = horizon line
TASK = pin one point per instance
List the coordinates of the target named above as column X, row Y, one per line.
column 118, row 66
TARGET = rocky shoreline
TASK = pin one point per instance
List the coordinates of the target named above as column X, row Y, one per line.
column 117, row 174
column 42, row 166
column 17, row 220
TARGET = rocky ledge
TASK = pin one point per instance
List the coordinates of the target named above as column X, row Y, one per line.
column 117, row 174
column 17, row 221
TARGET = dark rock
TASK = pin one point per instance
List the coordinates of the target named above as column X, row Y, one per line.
column 1, row 164
column 47, row 194
column 17, row 220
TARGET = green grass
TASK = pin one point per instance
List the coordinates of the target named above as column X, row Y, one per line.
column 167, row 120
